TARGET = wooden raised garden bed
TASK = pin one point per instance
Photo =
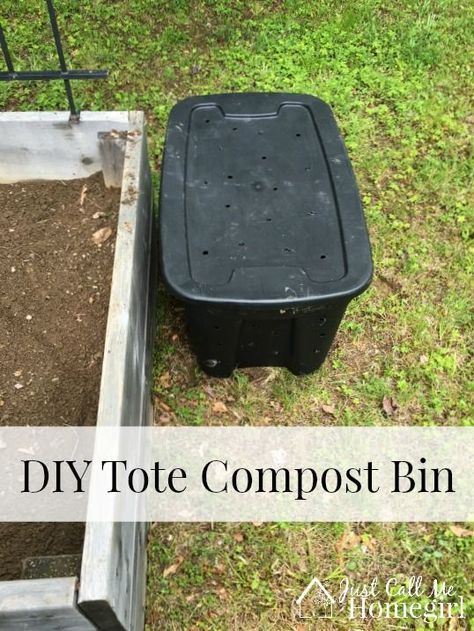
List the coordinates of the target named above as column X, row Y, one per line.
column 77, row 264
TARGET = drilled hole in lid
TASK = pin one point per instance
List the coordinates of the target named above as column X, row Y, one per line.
column 316, row 351
column 217, row 327
column 206, row 182
column 264, row 157
column 205, row 252
column 311, row 213
column 307, row 168
column 207, row 120
column 298, row 135
column 323, row 256
column 322, row 335
column 227, row 205
column 288, row 250
column 260, row 132
column 241, row 243
column 234, row 128
column 229, row 177
column 322, row 321
column 275, row 188
column 268, row 219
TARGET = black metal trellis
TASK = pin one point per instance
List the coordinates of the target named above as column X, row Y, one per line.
column 49, row 75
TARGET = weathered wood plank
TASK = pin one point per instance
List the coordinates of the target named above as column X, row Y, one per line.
column 46, row 146
column 41, row 605
column 112, row 591
column 112, row 149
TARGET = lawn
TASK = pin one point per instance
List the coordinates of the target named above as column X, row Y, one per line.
column 398, row 76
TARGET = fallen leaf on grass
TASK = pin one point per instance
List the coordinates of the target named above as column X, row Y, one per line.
column 348, row 541
column 329, row 409
column 459, row 531
column 302, row 566
column 164, row 419
column 98, row 215
column 276, row 406
column 172, row 569
column 239, row 537
column 165, row 380
column 222, row 593
column 271, row 376
column 219, row 407
column 369, row 544
column 389, row 405
column 101, row 235
column 161, row 404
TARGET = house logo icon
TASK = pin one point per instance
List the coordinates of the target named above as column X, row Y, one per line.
column 314, row 601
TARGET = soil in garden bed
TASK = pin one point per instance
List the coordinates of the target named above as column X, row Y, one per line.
column 56, row 257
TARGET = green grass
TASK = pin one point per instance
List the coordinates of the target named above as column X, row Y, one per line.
column 398, row 78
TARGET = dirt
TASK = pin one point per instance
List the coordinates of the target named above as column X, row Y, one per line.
column 21, row 541
column 54, row 299
column 56, row 257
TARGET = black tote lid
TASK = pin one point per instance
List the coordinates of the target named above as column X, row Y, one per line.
column 259, row 203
